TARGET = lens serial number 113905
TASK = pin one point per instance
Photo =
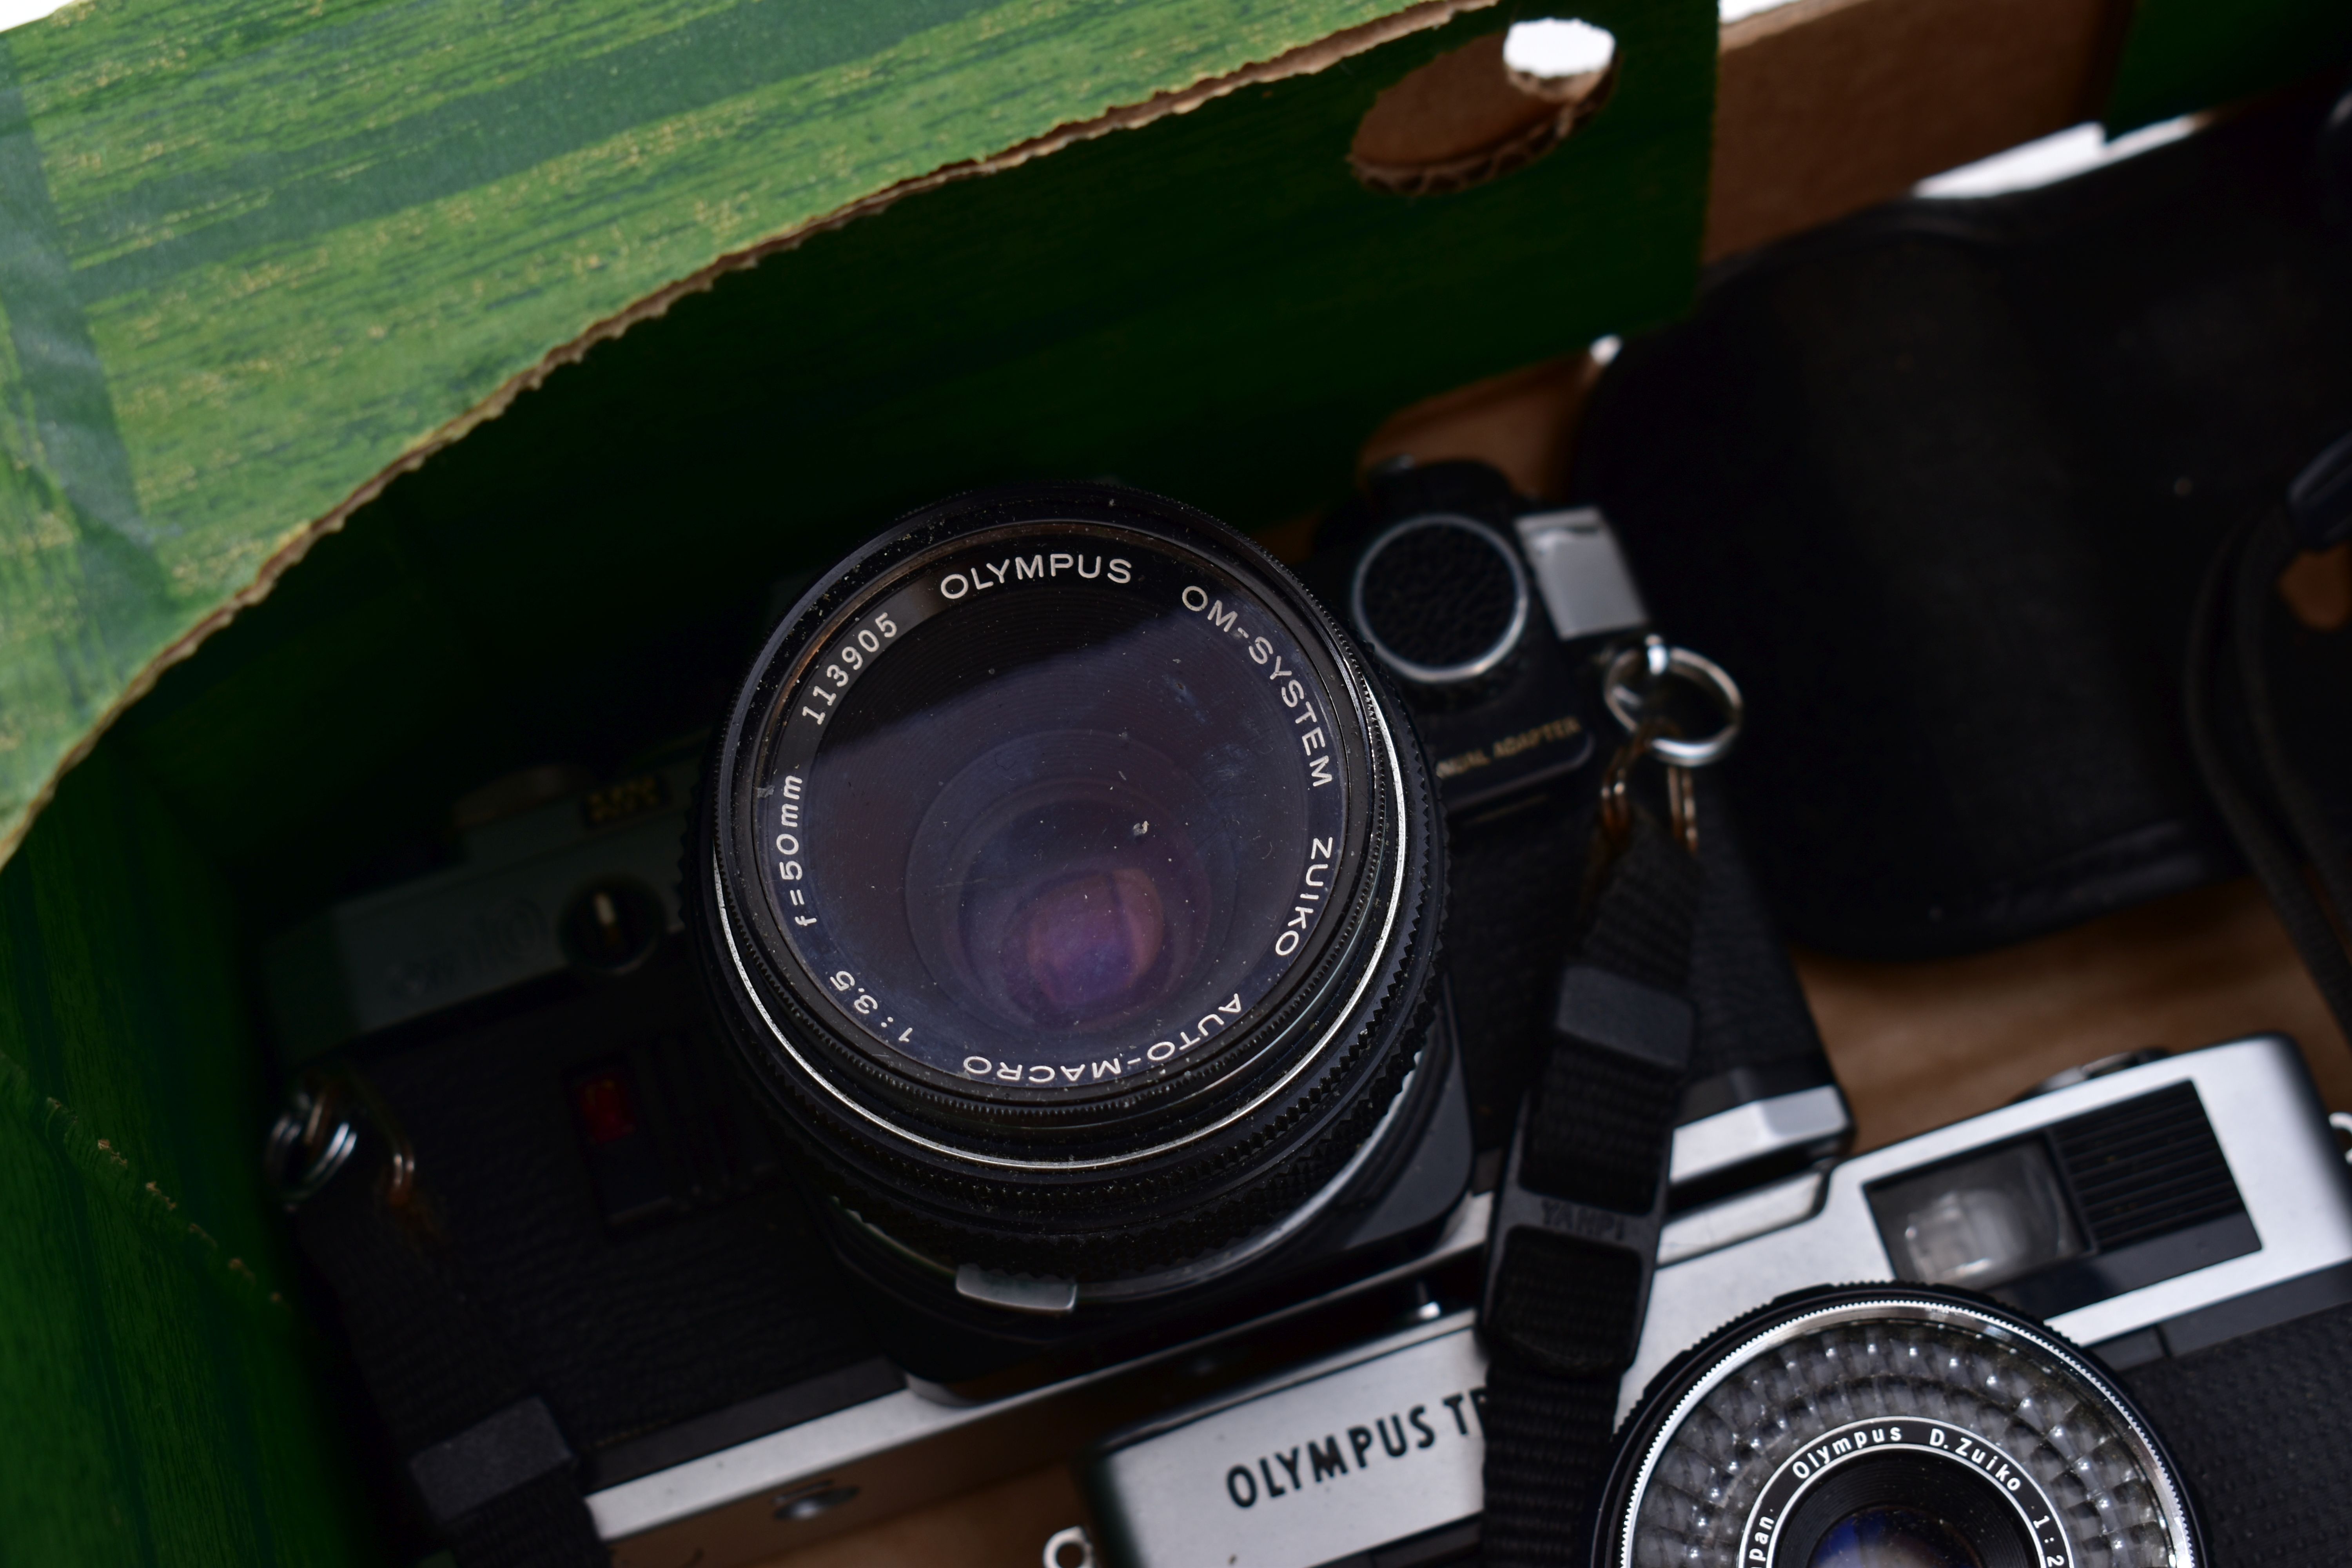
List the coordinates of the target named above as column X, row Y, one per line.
column 848, row 661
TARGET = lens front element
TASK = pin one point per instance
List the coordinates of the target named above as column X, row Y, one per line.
column 1068, row 883
column 1893, row 1537
column 1059, row 809
column 1859, row 1429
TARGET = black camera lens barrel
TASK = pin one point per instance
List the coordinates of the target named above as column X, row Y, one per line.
column 1067, row 884
column 1848, row 1420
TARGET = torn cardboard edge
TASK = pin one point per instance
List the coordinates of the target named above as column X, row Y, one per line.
column 1307, row 59
column 1468, row 117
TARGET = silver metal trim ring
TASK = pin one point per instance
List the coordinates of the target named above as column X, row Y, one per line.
column 290, row 1135
column 1661, row 660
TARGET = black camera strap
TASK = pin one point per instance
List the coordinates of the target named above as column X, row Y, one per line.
column 484, row 1453
column 2280, row 822
column 1583, row 1197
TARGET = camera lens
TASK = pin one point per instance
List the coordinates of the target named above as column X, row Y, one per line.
column 1067, row 883
column 1891, row 1427
column 1885, row 1537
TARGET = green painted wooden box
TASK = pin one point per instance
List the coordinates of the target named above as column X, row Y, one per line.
column 394, row 392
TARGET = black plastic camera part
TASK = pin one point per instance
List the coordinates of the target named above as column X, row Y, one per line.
column 2335, row 159
column 1517, row 734
column 1381, row 1219
column 602, row 1220
column 2225, row 1407
column 2319, row 500
column 1069, row 888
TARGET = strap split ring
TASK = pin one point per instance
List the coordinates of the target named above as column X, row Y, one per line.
column 319, row 1132
column 1648, row 739
column 1658, row 660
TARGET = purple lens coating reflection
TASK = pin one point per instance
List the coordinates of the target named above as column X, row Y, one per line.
column 1083, row 944
column 1078, row 901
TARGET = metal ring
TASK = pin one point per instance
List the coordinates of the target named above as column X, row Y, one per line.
column 1884, row 1303
column 1076, row 1535
column 1661, row 660
column 300, row 1131
column 1469, row 669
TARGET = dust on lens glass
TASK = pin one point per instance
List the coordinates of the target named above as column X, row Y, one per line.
column 1076, row 814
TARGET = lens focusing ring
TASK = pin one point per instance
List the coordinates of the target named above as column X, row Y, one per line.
column 1148, row 1174
column 1790, row 1437
column 1000, row 1154
column 1388, row 866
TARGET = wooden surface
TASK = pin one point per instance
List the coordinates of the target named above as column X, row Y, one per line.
column 1920, row 1044
column 1825, row 106
column 1000, row 1526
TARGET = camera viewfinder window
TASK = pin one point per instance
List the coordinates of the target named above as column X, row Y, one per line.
column 1978, row 1222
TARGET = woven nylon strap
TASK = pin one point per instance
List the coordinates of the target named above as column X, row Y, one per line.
column 483, row 1454
column 2281, row 824
column 1583, row 1195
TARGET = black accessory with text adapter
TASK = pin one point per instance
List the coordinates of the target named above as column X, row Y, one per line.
column 1519, row 639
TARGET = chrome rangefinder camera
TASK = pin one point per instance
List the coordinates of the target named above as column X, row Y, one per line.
column 2067, row 1332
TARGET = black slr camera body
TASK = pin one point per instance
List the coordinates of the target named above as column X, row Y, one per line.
column 1042, row 982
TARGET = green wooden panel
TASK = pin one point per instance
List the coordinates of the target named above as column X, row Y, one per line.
column 252, row 251
column 160, row 1404
column 2182, row 55
column 1209, row 306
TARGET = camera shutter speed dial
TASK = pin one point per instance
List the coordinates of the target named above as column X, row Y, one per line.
column 1440, row 599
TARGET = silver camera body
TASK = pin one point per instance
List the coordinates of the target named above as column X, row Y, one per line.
column 2148, row 1212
